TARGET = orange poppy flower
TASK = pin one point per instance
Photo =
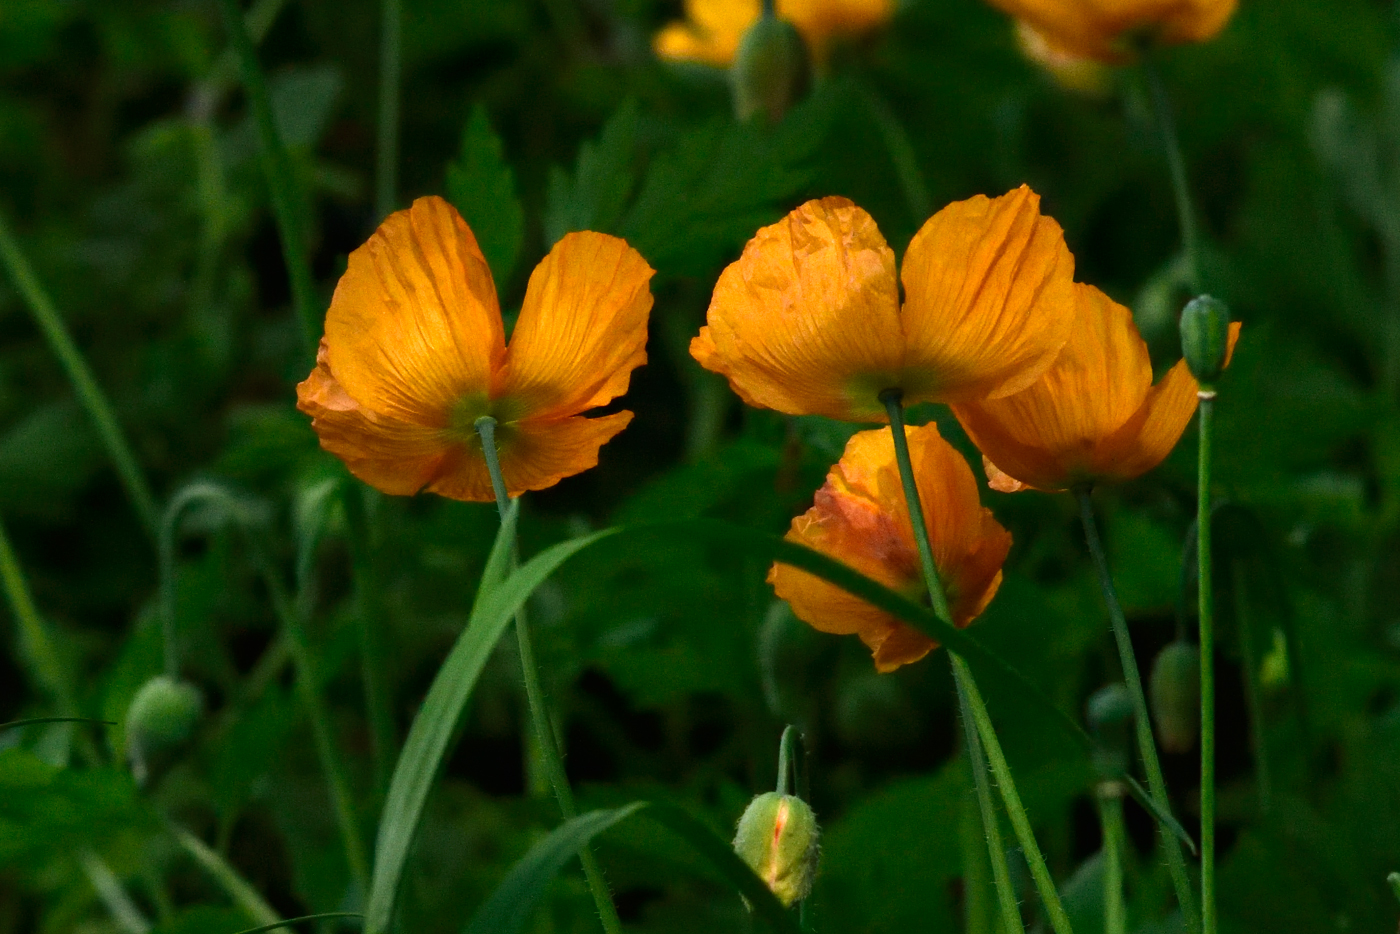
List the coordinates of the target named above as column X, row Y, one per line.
column 860, row 519
column 1071, row 72
column 808, row 321
column 712, row 29
column 1094, row 416
column 1105, row 29
column 414, row 352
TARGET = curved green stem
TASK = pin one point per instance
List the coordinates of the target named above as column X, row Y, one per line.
column 967, row 687
column 281, row 178
column 37, row 645
column 539, row 710
column 1142, row 721
column 1207, row 613
column 1185, row 210
column 46, row 316
column 239, row 890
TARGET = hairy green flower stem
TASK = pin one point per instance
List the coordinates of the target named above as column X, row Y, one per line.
column 539, row 712
column 1181, row 191
column 1011, row 921
column 287, row 201
column 1142, row 721
column 46, row 316
column 968, row 695
column 1206, row 395
column 1110, row 799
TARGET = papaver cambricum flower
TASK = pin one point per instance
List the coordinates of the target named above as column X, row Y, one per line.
column 414, row 352
column 808, row 320
column 859, row 518
column 712, row 29
column 1106, row 30
column 1093, row 416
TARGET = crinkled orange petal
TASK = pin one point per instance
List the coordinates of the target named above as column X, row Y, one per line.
column 389, row 454
column 1048, row 435
column 806, row 321
column 1102, row 29
column 859, row 517
column 989, row 299
column 582, row 327
column 414, row 324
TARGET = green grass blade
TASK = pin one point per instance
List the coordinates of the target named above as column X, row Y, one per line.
column 323, row 916
column 36, row 720
column 510, row 906
column 496, row 604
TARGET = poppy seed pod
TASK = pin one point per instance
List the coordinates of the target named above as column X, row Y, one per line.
column 1110, row 715
column 778, row 838
column 1205, row 338
column 770, row 70
column 162, row 714
column 1174, row 690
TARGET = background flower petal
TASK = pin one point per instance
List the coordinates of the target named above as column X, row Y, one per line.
column 582, row 328
column 807, row 318
column 989, row 299
column 414, row 324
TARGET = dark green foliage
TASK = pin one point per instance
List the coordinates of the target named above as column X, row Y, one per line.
column 130, row 174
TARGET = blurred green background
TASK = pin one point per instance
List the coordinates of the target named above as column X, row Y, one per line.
column 129, row 173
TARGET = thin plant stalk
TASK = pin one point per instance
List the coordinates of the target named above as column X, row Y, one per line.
column 1115, row 916
column 1252, row 695
column 1011, row 922
column 539, row 712
column 977, row 871
column 281, row 179
column 369, row 611
column 1181, row 191
column 38, row 645
column 386, row 169
column 90, row 395
column 239, row 890
column 1207, row 615
column 901, row 150
column 114, row 896
column 967, row 687
column 290, row 616
column 1142, row 721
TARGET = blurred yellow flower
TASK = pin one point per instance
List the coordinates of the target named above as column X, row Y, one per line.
column 1105, row 29
column 712, row 29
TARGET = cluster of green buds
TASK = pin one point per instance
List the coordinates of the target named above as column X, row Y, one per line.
column 771, row 68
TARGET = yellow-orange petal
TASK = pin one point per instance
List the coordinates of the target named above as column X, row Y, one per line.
column 1147, row 438
column 859, row 517
column 536, row 454
column 1103, row 31
column 582, row 328
column 710, row 34
column 806, row 321
column 414, row 324
column 389, row 454
column 1049, row 435
column 989, row 299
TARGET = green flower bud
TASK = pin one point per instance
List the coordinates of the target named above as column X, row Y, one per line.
column 777, row 837
column 1110, row 712
column 1174, row 690
column 770, row 70
column 162, row 714
column 1205, row 337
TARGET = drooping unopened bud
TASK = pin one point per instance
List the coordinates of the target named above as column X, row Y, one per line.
column 1174, row 689
column 770, row 71
column 1110, row 712
column 778, row 838
column 1205, row 337
column 162, row 714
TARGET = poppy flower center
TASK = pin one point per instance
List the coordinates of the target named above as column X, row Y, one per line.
column 462, row 418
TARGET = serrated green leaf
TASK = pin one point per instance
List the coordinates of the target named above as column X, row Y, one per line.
column 482, row 186
column 595, row 195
